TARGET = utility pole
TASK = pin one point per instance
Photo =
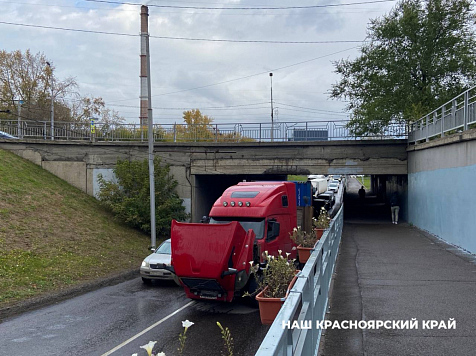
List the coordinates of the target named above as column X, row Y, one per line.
column 19, row 103
column 144, row 14
column 272, row 111
column 52, row 105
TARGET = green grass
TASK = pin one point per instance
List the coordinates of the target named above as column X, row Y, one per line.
column 53, row 236
column 366, row 180
column 297, row 178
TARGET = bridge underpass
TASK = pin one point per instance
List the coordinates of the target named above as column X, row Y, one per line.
column 398, row 272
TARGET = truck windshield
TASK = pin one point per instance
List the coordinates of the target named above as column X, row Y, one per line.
column 257, row 225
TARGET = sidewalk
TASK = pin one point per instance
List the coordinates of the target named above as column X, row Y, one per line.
column 397, row 272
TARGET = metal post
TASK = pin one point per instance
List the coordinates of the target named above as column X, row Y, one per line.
column 19, row 133
column 144, row 15
column 259, row 132
column 216, row 132
column 426, row 124
column 44, row 130
column 443, row 113
column 465, row 111
column 52, row 104
column 272, row 115
column 175, row 132
column 453, row 112
column 306, row 131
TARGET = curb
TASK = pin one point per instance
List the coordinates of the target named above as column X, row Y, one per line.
column 61, row 295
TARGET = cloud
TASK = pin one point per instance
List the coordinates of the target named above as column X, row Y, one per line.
column 108, row 66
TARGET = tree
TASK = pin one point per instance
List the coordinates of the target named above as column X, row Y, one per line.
column 28, row 77
column 90, row 107
column 129, row 198
column 418, row 57
column 197, row 127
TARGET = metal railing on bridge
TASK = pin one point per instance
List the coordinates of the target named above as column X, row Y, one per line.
column 458, row 114
column 233, row 132
column 307, row 301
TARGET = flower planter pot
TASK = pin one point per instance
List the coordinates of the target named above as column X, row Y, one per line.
column 304, row 253
column 319, row 233
column 269, row 307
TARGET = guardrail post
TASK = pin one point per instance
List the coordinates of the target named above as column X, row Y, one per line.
column 453, row 112
column 443, row 113
column 44, row 130
column 175, row 132
column 259, row 132
column 216, row 132
column 306, row 132
column 465, row 111
column 427, row 128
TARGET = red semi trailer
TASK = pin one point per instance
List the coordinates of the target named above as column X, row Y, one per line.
column 212, row 260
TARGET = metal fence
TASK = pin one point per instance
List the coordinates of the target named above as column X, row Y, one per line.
column 458, row 114
column 233, row 132
column 307, row 301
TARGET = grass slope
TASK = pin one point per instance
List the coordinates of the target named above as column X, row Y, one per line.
column 52, row 235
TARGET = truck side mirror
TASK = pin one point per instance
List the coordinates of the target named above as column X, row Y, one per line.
column 273, row 230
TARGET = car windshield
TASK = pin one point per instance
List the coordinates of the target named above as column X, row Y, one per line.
column 324, row 197
column 333, row 185
column 257, row 225
column 164, row 248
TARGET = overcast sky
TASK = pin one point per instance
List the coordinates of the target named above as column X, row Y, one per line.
column 108, row 65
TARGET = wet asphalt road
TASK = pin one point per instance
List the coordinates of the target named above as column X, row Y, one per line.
column 97, row 322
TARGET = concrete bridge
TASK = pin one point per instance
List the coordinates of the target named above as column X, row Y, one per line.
column 204, row 170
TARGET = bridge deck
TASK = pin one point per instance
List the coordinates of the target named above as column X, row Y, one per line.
column 396, row 272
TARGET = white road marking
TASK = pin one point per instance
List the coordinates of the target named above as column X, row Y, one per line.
column 148, row 329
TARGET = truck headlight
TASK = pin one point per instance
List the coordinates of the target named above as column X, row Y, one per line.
column 145, row 264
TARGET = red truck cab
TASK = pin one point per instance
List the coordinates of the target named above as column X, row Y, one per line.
column 212, row 260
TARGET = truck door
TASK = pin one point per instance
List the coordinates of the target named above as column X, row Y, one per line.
column 277, row 235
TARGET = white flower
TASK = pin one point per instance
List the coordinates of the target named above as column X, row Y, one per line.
column 295, row 229
column 160, row 354
column 266, row 253
column 287, row 255
column 134, row 354
column 149, row 347
column 294, row 248
column 186, row 324
column 251, row 263
column 280, row 252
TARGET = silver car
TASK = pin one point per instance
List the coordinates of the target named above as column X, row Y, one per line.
column 153, row 265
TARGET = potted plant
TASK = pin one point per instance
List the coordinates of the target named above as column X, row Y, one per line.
column 305, row 242
column 277, row 280
column 321, row 223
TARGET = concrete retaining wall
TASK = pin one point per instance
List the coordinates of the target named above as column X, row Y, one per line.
column 442, row 189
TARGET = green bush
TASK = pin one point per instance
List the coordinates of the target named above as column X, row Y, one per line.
column 129, row 198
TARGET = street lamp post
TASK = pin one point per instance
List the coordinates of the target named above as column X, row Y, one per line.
column 272, row 111
column 52, row 105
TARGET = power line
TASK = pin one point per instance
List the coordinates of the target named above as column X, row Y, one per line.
column 245, row 8
column 245, row 77
column 312, row 109
column 178, row 38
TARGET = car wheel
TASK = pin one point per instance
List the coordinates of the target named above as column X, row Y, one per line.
column 146, row 280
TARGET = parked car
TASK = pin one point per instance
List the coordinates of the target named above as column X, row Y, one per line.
column 325, row 200
column 6, row 135
column 153, row 265
column 333, row 186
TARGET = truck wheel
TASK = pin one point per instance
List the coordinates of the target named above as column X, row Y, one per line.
column 146, row 280
column 252, row 289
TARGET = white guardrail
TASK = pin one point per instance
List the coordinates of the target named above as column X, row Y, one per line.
column 225, row 132
column 458, row 114
column 307, row 301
